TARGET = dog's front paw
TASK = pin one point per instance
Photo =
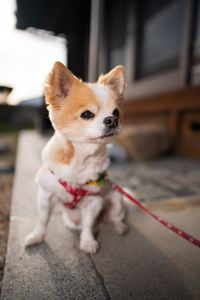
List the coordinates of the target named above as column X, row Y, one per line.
column 89, row 246
column 33, row 238
column 121, row 228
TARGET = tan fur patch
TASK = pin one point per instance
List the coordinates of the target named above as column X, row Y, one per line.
column 80, row 98
column 62, row 155
column 115, row 79
column 59, row 83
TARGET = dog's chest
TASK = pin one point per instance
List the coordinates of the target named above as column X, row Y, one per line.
column 89, row 169
column 87, row 163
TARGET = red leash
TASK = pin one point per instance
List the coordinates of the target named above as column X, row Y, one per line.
column 171, row 227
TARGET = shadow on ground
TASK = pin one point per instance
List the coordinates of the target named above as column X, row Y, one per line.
column 134, row 268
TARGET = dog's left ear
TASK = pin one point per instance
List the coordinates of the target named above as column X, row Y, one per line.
column 115, row 79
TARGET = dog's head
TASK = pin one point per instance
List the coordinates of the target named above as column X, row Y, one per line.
column 85, row 112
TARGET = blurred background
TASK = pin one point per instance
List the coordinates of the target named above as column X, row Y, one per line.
column 158, row 42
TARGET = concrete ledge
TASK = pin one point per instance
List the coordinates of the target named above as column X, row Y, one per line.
column 53, row 270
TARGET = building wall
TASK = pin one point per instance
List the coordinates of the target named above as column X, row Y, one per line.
column 158, row 42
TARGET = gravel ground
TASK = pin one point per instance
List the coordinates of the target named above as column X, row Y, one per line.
column 7, row 158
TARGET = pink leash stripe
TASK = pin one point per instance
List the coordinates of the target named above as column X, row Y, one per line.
column 171, row 227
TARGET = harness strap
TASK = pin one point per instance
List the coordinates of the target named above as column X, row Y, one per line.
column 75, row 192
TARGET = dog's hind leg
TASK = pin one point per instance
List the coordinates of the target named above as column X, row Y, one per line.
column 117, row 211
column 45, row 205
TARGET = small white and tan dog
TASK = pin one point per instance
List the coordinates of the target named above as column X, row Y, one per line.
column 85, row 117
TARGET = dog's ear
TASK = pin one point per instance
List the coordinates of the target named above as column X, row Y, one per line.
column 115, row 79
column 59, row 83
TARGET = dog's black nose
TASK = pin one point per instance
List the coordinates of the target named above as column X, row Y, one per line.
column 111, row 122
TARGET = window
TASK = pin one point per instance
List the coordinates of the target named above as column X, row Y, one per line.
column 159, row 36
column 150, row 38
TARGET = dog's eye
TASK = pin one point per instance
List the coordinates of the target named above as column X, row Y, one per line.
column 87, row 115
column 116, row 112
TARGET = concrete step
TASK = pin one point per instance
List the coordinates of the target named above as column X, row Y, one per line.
column 53, row 270
column 151, row 262
column 148, row 263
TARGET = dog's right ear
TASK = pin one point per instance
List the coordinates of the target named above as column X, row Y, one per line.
column 59, row 83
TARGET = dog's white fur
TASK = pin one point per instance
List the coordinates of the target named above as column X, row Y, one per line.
column 88, row 160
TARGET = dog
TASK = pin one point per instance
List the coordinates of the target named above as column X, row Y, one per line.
column 85, row 117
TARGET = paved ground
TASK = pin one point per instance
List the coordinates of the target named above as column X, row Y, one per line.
column 151, row 262
column 148, row 263
column 160, row 179
column 8, row 144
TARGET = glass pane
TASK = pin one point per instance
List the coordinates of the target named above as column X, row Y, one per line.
column 159, row 34
column 115, row 32
column 195, row 70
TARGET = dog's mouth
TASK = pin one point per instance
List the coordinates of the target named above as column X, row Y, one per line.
column 106, row 135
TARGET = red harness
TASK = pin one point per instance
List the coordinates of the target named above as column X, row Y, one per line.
column 75, row 192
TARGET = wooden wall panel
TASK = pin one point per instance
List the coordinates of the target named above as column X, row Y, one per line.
column 179, row 111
